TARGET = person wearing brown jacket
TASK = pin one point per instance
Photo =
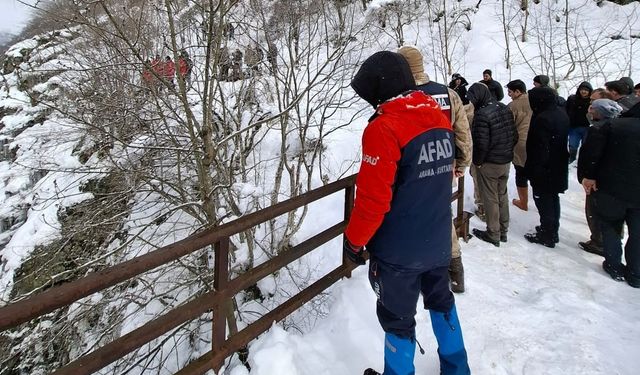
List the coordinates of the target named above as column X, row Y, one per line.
column 517, row 91
column 452, row 106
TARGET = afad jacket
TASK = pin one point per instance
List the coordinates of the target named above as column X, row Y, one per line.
column 402, row 210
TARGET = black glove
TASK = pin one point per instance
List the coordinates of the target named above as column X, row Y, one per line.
column 354, row 253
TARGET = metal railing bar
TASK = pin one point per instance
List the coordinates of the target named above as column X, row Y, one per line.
column 63, row 295
column 163, row 324
column 210, row 359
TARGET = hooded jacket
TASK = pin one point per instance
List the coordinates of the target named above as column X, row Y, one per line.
column 402, row 209
column 460, row 89
column 611, row 156
column 493, row 130
column 577, row 107
column 547, row 155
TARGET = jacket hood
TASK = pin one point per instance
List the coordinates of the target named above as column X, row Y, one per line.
column 541, row 98
column 585, row 85
column 415, row 60
column 479, row 95
column 383, row 76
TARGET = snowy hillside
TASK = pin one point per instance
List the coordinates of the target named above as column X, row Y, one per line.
column 98, row 166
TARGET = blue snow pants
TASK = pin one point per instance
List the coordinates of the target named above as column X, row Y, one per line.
column 398, row 291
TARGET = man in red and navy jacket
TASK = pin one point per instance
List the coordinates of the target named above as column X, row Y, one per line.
column 402, row 212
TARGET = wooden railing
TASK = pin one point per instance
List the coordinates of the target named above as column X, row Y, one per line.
column 223, row 345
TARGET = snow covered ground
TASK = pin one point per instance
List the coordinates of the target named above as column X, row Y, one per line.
column 527, row 310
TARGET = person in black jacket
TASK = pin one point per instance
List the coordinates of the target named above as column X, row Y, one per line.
column 542, row 80
column 459, row 85
column 577, row 106
column 546, row 164
column 495, row 88
column 609, row 169
column 494, row 135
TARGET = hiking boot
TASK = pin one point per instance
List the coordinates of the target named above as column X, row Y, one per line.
column 371, row 371
column 456, row 275
column 503, row 237
column 616, row 273
column 556, row 239
column 591, row 247
column 540, row 238
column 483, row 235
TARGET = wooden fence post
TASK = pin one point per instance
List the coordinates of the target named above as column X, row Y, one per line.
column 220, row 280
column 349, row 196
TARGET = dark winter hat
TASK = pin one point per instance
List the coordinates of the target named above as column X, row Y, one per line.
column 517, row 85
column 617, row 86
column 456, row 76
column 542, row 80
column 382, row 76
column 607, row 108
column 487, row 71
column 629, row 82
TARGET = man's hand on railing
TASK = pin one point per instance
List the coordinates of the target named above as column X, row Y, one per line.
column 354, row 253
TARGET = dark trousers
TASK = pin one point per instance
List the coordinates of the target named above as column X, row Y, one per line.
column 592, row 220
column 548, row 205
column 612, row 214
column 398, row 292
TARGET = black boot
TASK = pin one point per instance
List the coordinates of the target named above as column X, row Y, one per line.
column 541, row 238
column 592, row 247
column 456, row 274
column 556, row 239
column 483, row 235
column 616, row 273
column 371, row 371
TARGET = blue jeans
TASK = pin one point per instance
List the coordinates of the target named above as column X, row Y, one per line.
column 576, row 135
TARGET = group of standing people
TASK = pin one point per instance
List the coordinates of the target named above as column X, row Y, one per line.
column 423, row 133
column 157, row 69
column 601, row 129
column 231, row 67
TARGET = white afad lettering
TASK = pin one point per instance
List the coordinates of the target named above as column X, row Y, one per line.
column 435, row 150
column 370, row 159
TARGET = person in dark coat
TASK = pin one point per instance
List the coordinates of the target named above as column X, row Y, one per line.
column 495, row 88
column 402, row 203
column 609, row 169
column 594, row 244
column 542, row 80
column 547, row 160
column 577, row 106
column 494, row 136
column 459, row 85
